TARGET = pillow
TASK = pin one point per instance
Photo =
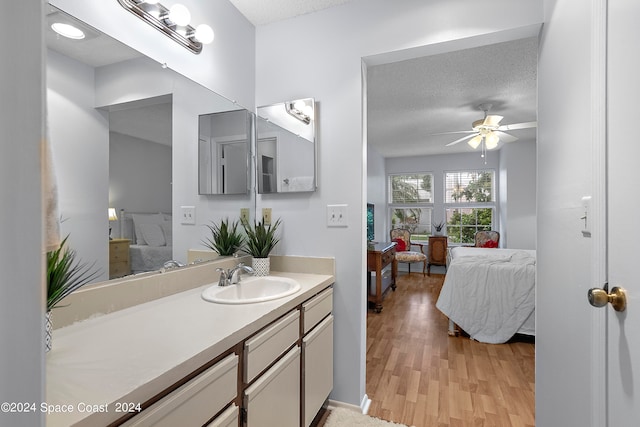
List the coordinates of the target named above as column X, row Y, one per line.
column 401, row 246
column 144, row 219
column 167, row 229
column 490, row 244
column 152, row 234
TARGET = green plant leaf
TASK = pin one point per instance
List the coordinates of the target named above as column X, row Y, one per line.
column 225, row 238
column 261, row 239
column 65, row 274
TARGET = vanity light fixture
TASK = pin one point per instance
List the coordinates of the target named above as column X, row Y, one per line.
column 300, row 110
column 172, row 22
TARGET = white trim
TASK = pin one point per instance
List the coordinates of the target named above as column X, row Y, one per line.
column 598, row 237
column 363, row 408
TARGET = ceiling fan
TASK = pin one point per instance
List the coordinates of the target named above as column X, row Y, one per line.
column 488, row 131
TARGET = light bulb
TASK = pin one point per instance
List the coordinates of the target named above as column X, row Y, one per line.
column 307, row 111
column 180, row 15
column 299, row 105
column 204, row 34
column 491, row 141
column 67, row 30
column 475, row 141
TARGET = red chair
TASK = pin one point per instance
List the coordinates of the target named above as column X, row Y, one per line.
column 487, row 239
column 402, row 237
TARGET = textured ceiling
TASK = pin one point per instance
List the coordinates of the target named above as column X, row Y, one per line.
column 262, row 12
column 407, row 101
column 410, row 100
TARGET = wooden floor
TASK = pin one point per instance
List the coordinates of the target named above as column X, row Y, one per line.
column 418, row 375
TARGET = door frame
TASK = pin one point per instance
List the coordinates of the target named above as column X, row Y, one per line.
column 598, row 220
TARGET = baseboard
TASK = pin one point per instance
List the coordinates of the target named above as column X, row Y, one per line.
column 363, row 408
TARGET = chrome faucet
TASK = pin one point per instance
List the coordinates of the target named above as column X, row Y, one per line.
column 172, row 264
column 231, row 276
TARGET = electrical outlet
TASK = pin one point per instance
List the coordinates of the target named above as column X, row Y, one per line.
column 244, row 215
column 337, row 215
column 266, row 216
column 188, row 215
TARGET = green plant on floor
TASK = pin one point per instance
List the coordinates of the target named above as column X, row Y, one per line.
column 66, row 274
column 225, row 238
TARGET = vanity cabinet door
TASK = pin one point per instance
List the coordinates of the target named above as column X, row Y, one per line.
column 273, row 400
column 317, row 348
column 194, row 403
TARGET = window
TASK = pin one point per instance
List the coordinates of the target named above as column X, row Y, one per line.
column 469, row 187
column 463, row 223
column 469, row 204
column 411, row 203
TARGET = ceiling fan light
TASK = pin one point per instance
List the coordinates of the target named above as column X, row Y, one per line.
column 475, row 141
column 491, row 141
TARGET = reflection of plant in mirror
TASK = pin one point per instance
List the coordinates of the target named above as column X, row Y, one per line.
column 225, row 238
column 65, row 274
column 261, row 239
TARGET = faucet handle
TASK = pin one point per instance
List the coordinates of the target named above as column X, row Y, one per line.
column 224, row 279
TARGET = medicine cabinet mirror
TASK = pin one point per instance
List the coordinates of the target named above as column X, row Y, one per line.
column 286, row 147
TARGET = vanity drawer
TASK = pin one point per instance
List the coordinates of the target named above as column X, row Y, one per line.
column 195, row 402
column 270, row 343
column 317, row 308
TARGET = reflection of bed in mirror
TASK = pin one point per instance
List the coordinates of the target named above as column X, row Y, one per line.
column 490, row 293
column 151, row 239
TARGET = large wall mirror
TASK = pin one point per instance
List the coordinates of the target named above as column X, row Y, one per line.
column 120, row 124
column 286, row 147
column 224, row 152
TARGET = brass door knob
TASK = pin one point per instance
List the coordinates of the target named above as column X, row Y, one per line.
column 599, row 298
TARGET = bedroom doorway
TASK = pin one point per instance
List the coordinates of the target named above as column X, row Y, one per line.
column 415, row 293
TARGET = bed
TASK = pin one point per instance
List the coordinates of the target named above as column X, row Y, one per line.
column 151, row 239
column 490, row 293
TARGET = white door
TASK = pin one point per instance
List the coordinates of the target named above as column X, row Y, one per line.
column 623, row 111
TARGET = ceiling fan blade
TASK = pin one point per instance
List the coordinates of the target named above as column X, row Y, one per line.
column 492, row 120
column 461, row 139
column 516, row 126
column 453, row 132
column 505, row 137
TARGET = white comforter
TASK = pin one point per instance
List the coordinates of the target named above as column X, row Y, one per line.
column 490, row 293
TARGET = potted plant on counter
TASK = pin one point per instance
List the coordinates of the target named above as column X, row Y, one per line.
column 260, row 241
column 65, row 274
column 225, row 238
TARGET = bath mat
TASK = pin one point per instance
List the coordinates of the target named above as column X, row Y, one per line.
column 342, row 417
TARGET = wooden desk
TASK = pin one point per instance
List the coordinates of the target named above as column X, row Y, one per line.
column 380, row 255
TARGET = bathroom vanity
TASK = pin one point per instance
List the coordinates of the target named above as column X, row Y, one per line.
column 181, row 360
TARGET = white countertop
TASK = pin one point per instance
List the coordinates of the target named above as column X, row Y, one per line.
column 133, row 354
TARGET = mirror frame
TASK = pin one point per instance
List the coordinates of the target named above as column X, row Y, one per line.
column 220, row 141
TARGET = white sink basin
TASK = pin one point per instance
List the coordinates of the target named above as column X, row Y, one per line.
column 251, row 290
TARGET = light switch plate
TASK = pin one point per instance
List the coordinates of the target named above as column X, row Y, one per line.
column 337, row 215
column 266, row 216
column 244, row 215
column 188, row 215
